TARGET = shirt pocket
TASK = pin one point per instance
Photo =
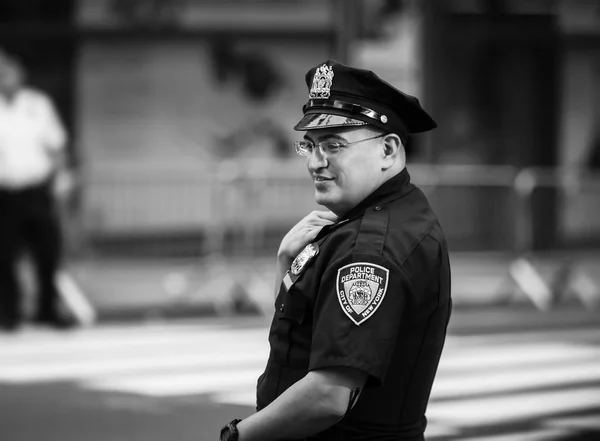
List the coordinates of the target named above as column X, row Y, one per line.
column 294, row 331
column 293, row 307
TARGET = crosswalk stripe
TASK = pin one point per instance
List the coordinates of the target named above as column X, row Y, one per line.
column 483, row 380
column 578, row 335
column 241, row 397
column 517, row 407
column 507, row 356
column 580, row 423
column 534, row 435
column 165, row 385
column 80, row 343
column 541, row 376
column 64, row 370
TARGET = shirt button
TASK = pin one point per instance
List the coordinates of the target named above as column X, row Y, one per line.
column 378, row 208
column 282, row 308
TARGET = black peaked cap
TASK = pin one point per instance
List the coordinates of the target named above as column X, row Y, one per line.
column 341, row 96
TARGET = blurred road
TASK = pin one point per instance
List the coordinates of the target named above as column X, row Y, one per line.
column 507, row 373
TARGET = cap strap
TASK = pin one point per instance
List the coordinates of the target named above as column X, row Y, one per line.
column 349, row 107
column 379, row 118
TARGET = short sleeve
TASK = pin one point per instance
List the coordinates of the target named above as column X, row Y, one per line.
column 357, row 316
column 49, row 127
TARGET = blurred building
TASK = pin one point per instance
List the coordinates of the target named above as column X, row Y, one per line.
column 511, row 83
column 517, row 82
column 163, row 97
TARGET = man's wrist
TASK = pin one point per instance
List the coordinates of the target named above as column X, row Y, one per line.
column 284, row 261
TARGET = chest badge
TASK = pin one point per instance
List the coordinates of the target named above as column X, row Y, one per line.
column 309, row 251
column 361, row 287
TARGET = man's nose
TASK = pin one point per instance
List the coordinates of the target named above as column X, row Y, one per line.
column 317, row 159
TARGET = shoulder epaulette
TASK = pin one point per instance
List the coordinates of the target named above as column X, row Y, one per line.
column 372, row 231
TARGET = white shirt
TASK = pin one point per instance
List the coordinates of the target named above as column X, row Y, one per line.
column 30, row 133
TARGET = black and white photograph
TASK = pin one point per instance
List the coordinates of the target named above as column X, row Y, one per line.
column 314, row 220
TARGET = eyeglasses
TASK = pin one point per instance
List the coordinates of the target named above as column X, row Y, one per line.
column 327, row 148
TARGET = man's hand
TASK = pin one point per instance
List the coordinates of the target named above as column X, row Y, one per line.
column 63, row 185
column 303, row 233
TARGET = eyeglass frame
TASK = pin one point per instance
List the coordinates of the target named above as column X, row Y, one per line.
column 306, row 153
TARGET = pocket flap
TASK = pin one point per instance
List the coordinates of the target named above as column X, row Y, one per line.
column 293, row 308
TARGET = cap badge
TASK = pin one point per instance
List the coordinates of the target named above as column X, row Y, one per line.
column 322, row 81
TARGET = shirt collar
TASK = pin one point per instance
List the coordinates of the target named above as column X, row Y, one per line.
column 394, row 188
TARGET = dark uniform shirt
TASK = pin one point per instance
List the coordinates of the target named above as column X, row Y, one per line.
column 376, row 297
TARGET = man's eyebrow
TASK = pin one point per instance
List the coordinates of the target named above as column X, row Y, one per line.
column 325, row 137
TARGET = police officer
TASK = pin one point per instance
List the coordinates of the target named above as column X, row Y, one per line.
column 363, row 289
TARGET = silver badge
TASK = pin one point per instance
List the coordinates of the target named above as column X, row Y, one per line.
column 309, row 251
column 322, row 82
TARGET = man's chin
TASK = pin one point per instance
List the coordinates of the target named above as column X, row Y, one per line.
column 321, row 198
column 325, row 199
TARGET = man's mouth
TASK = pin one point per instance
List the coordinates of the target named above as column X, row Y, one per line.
column 322, row 178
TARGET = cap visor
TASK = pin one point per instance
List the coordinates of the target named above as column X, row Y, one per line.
column 315, row 121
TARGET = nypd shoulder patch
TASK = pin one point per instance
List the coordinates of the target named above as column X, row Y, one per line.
column 361, row 287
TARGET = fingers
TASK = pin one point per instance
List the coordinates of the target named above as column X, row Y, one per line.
column 327, row 215
column 310, row 235
column 314, row 221
column 305, row 232
column 322, row 217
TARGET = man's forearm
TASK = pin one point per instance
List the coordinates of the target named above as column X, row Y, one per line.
column 306, row 408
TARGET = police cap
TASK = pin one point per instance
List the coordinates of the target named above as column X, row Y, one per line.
column 343, row 96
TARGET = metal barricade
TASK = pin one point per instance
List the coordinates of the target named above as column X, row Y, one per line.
column 260, row 201
column 557, row 236
column 540, row 221
column 167, row 207
column 247, row 207
column 474, row 203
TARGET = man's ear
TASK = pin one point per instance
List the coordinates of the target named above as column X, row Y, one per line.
column 393, row 151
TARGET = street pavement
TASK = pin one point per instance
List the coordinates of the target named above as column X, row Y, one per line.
column 507, row 373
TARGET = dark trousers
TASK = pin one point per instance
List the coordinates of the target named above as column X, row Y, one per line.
column 28, row 221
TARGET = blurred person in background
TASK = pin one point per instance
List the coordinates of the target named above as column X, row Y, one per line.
column 32, row 143
column 363, row 289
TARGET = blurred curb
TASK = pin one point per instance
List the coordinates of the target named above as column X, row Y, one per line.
column 155, row 289
column 235, row 302
column 124, row 290
column 207, row 310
